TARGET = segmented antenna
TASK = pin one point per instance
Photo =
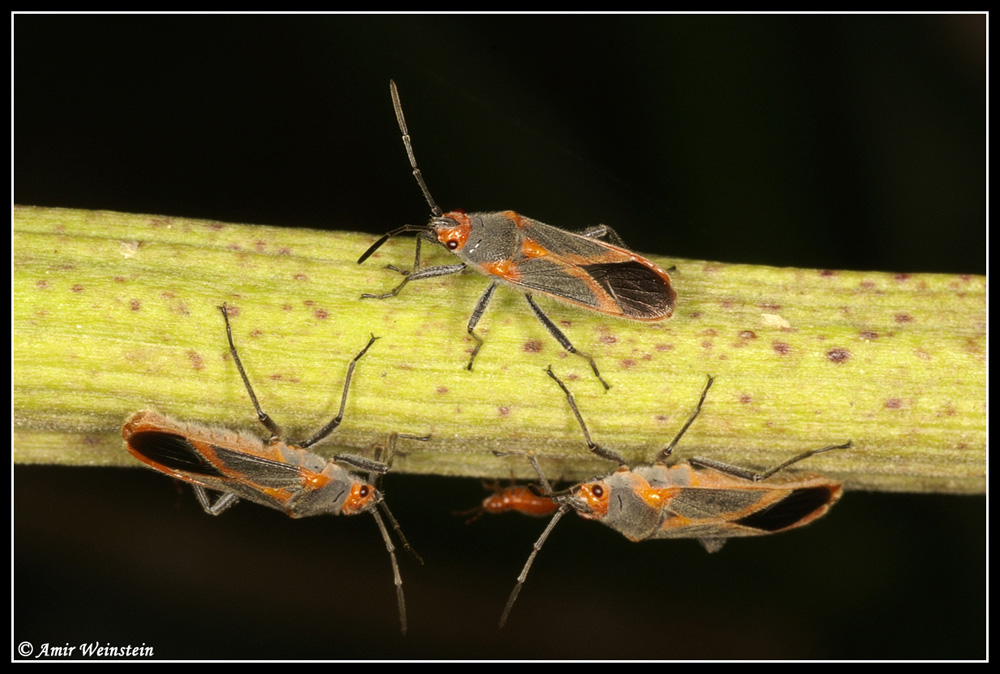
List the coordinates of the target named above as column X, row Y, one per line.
column 435, row 209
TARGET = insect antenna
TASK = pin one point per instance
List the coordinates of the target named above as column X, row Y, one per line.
column 388, row 235
column 397, row 579
column 382, row 504
column 563, row 509
column 435, row 209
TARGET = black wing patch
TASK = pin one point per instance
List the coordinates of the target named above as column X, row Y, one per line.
column 172, row 451
column 637, row 289
column 788, row 511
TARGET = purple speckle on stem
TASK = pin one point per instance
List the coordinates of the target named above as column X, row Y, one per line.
column 838, row 355
column 197, row 362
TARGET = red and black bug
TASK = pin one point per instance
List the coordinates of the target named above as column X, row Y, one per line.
column 702, row 499
column 275, row 474
column 577, row 268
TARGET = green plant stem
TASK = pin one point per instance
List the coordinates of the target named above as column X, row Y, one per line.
column 116, row 312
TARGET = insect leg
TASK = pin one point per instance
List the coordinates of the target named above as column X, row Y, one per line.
column 477, row 313
column 602, row 452
column 602, row 231
column 561, row 338
column 268, row 422
column 221, row 504
column 385, row 507
column 416, row 263
column 375, row 466
column 563, row 509
column 747, row 474
column 397, row 579
column 330, row 427
column 427, row 272
column 668, row 450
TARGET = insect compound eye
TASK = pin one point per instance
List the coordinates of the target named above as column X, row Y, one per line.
column 362, row 497
column 597, row 490
column 452, row 244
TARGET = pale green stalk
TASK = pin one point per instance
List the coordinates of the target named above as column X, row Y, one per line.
column 114, row 312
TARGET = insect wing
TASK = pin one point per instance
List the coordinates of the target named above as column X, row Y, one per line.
column 729, row 508
column 198, row 455
column 590, row 273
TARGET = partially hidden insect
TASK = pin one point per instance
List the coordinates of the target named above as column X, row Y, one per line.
column 275, row 474
column 513, row 498
column 702, row 499
column 577, row 268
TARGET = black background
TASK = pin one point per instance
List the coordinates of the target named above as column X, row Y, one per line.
column 812, row 141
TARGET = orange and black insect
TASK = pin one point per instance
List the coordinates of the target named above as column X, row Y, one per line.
column 702, row 499
column 275, row 474
column 577, row 268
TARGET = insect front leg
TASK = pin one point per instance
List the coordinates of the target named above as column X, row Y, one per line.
column 427, row 272
column 561, row 338
column 221, row 504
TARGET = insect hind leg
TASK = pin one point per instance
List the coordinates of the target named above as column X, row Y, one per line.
column 602, row 232
column 602, row 452
column 563, row 340
column 669, row 449
column 221, row 504
column 753, row 476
